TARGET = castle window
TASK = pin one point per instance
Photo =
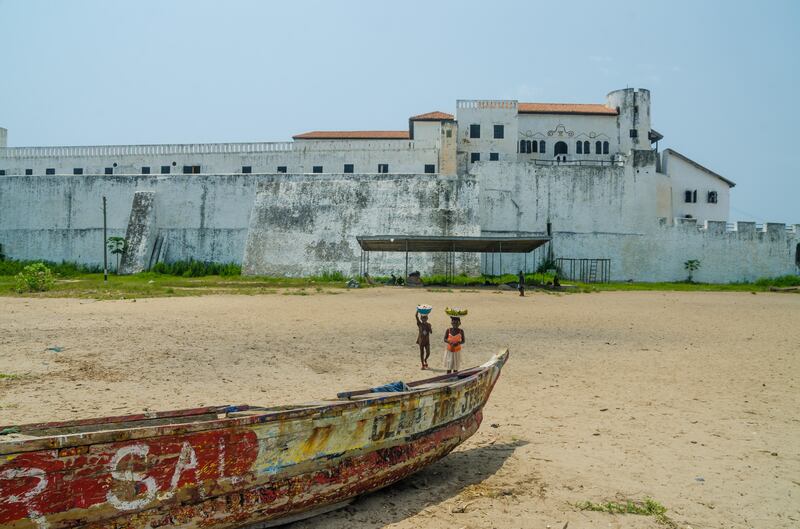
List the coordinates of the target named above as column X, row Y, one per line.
column 542, row 147
column 712, row 197
column 475, row 157
column 598, row 147
column 561, row 148
column 430, row 168
column 2, row 172
column 28, row 172
column 579, row 147
column 605, row 147
column 281, row 168
column 316, row 169
column 474, row 131
column 634, row 133
column 499, row 132
column 494, row 156
column 349, row 168
column 109, row 170
column 50, row 171
column 145, row 170
column 687, row 196
column 77, row 170
column 191, row 169
column 448, row 133
column 586, row 149
column 165, row 169
column 383, row 167
column 247, row 169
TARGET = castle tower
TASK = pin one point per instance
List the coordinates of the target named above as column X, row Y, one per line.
column 634, row 118
column 3, row 138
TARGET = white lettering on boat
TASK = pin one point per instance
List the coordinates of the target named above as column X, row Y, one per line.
column 27, row 496
column 141, row 451
column 187, row 460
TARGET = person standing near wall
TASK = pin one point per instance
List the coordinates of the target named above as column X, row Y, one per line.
column 521, row 284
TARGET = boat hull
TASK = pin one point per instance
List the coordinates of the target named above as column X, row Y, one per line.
column 256, row 468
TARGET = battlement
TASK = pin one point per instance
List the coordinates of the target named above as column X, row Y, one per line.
column 481, row 104
column 143, row 150
column 742, row 228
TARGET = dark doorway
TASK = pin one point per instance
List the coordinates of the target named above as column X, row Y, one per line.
column 560, row 148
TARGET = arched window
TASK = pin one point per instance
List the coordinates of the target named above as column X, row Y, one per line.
column 534, row 146
column 528, row 148
column 598, row 147
column 522, row 146
column 586, row 149
column 605, row 147
column 560, row 148
column 542, row 146
column 579, row 147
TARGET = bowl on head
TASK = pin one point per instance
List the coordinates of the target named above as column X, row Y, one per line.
column 424, row 309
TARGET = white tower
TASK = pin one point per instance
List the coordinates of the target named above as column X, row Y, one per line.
column 634, row 117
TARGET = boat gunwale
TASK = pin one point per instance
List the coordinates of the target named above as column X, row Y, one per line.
column 15, row 446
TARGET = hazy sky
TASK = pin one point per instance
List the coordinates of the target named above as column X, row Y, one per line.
column 724, row 75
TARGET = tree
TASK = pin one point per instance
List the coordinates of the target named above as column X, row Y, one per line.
column 117, row 245
column 691, row 266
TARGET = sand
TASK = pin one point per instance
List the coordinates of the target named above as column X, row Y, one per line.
column 688, row 398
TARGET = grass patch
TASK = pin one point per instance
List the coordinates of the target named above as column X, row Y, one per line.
column 672, row 287
column 782, row 281
column 648, row 507
column 194, row 268
column 150, row 285
column 8, row 376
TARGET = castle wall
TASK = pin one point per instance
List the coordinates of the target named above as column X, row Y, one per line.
column 303, row 224
column 60, row 217
column 605, row 213
column 300, row 225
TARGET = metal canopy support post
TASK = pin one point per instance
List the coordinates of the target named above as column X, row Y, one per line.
column 501, row 257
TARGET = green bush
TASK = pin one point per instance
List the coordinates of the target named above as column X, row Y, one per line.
column 781, row 281
column 194, row 268
column 330, row 277
column 35, row 278
column 64, row 269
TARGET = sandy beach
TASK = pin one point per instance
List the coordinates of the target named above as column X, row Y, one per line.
column 691, row 399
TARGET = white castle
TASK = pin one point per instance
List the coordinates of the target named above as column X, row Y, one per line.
column 592, row 173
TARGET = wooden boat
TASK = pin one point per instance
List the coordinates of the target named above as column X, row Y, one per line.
column 233, row 466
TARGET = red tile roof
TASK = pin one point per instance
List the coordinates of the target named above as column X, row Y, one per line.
column 433, row 116
column 353, row 135
column 565, row 108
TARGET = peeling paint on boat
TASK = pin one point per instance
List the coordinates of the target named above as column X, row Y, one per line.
column 230, row 466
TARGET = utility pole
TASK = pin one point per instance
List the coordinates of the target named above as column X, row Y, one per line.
column 105, row 245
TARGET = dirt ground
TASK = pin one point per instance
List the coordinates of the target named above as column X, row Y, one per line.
column 691, row 399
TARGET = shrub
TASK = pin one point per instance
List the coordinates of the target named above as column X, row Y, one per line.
column 35, row 278
column 194, row 268
column 333, row 276
column 63, row 269
column 781, row 281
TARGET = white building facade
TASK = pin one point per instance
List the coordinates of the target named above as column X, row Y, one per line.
column 591, row 172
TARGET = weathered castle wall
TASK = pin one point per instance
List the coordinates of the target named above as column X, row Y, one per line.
column 605, row 213
column 303, row 224
column 60, row 217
